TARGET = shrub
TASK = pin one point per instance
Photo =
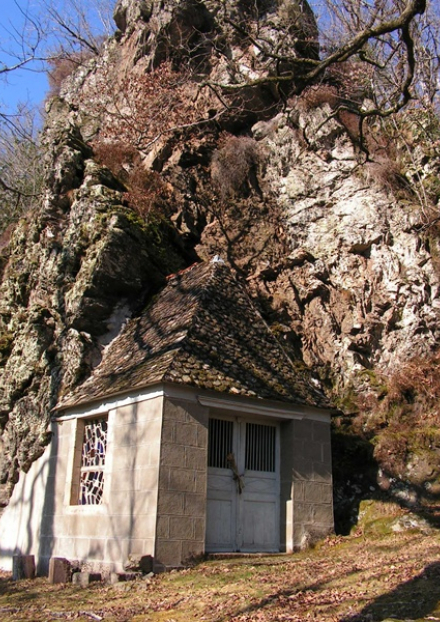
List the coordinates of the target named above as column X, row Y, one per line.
column 401, row 419
column 146, row 190
column 233, row 163
column 118, row 156
column 62, row 66
column 318, row 95
column 352, row 79
column 417, row 377
column 21, row 168
column 150, row 106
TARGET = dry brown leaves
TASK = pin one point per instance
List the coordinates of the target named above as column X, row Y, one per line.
column 345, row 580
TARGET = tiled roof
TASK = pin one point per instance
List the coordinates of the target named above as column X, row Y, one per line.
column 202, row 330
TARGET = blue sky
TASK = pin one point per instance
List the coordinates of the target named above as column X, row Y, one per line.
column 22, row 85
column 29, row 84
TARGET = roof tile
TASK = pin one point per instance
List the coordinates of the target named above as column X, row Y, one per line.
column 202, row 330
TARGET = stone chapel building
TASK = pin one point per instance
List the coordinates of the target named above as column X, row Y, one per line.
column 196, row 433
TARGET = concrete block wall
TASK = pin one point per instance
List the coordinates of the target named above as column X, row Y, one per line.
column 125, row 522
column 311, row 515
column 154, row 500
column 20, row 523
column 133, row 476
column 182, row 484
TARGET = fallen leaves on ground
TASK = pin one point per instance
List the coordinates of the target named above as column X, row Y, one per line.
column 351, row 579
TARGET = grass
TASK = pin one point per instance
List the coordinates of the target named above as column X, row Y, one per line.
column 356, row 578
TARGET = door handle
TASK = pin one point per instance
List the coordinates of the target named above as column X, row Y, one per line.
column 230, row 459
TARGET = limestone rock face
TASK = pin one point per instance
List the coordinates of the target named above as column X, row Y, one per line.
column 366, row 286
column 229, row 43
column 128, row 13
column 75, row 271
column 335, row 257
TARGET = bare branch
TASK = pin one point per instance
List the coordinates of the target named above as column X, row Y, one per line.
column 402, row 21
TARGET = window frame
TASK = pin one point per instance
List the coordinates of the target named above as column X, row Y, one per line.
column 76, row 467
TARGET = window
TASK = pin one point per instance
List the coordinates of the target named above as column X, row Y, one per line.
column 254, row 443
column 260, row 447
column 220, row 443
column 91, row 470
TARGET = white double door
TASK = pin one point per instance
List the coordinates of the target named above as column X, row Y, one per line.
column 243, row 486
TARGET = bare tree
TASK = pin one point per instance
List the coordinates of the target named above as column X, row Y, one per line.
column 78, row 25
column 396, row 41
column 271, row 49
column 50, row 25
column 265, row 52
column 47, row 31
column 389, row 36
column 21, row 167
column 21, row 42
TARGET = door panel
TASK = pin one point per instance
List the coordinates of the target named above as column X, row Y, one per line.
column 219, row 526
column 220, row 482
column 259, row 484
column 260, row 527
column 243, row 486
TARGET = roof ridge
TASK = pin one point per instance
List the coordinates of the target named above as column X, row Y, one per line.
column 276, row 341
column 200, row 298
column 183, row 271
column 202, row 330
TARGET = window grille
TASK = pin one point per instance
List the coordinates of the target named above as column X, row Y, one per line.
column 260, row 447
column 220, row 442
column 93, row 453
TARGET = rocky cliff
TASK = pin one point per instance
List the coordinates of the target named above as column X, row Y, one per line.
column 151, row 165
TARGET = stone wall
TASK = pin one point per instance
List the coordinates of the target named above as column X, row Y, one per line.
column 43, row 520
column 306, row 482
column 155, row 489
column 182, row 484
